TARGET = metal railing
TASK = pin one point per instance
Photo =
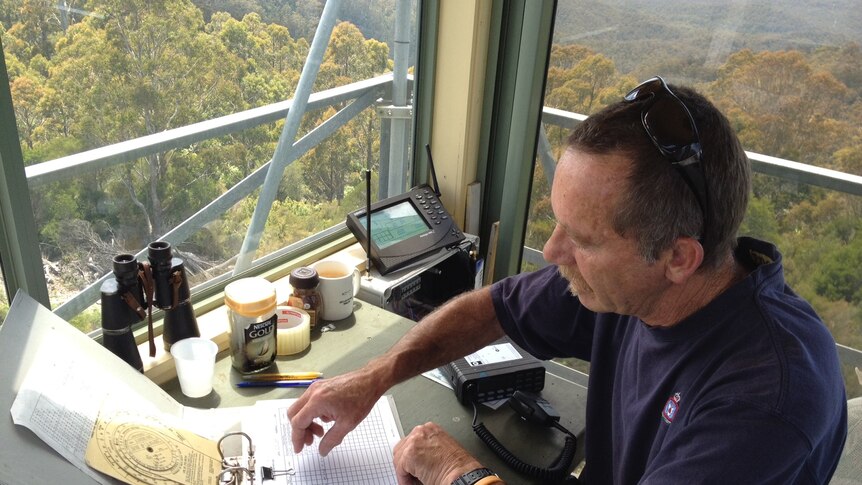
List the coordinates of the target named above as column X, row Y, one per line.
column 361, row 96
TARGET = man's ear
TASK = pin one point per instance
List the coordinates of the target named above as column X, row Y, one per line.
column 686, row 255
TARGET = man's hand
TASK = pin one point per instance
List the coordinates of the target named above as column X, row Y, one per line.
column 463, row 325
column 345, row 399
column 430, row 456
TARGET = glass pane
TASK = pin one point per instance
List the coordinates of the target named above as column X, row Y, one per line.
column 792, row 90
column 101, row 72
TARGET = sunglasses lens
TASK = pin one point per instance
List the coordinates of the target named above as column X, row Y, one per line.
column 645, row 89
column 668, row 123
column 670, row 126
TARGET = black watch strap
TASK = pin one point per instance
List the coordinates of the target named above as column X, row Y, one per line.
column 474, row 476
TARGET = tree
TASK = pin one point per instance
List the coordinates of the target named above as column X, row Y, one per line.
column 270, row 57
column 27, row 93
column 140, row 60
column 351, row 57
column 839, row 277
column 849, row 159
column 581, row 86
column 37, row 24
column 783, row 106
column 334, row 164
column 328, row 166
column 760, row 220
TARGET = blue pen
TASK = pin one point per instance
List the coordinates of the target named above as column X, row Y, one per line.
column 291, row 383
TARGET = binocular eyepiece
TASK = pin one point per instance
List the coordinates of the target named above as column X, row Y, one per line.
column 171, row 294
column 136, row 287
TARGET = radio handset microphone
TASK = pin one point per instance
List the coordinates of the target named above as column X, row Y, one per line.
column 534, row 409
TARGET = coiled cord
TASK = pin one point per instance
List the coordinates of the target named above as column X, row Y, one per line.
column 556, row 472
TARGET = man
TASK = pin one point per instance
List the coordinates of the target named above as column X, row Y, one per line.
column 705, row 366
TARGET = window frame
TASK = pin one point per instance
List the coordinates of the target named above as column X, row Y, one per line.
column 20, row 255
column 514, row 96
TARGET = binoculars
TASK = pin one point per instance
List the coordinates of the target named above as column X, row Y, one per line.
column 135, row 289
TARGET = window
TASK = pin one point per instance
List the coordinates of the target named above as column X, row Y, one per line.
column 142, row 121
column 788, row 77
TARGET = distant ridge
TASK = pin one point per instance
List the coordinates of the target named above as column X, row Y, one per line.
column 631, row 32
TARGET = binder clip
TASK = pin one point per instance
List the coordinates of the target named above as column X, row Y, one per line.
column 268, row 473
column 236, row 469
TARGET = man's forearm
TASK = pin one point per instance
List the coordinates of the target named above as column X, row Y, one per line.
column 461, row 326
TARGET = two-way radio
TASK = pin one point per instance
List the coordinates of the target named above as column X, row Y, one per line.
column 503, row 370
column 494, row 372
column 404, row 228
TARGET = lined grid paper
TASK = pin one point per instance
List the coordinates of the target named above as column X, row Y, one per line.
column 364, row 457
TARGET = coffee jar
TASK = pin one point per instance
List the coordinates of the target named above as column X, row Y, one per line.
column 306, row 294
column 251, row 304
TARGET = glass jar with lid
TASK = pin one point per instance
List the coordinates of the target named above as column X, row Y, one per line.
column 252, row 321
column 305, row 292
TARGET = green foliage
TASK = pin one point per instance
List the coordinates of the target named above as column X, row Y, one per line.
column 328, row 168
column 760, row 220
column 839, row 277
column 88, row 320
column 139, row 67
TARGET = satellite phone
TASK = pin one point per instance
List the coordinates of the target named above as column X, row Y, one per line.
column 405, row 228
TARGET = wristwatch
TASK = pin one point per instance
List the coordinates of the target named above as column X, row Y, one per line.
column 474, row 476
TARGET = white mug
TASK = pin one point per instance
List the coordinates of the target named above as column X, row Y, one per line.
column 339, row 283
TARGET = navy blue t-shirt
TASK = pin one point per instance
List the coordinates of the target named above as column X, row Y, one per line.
column 746, row 390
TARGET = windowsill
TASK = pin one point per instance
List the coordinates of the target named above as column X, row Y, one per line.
column 160, row 369
column 213, row 322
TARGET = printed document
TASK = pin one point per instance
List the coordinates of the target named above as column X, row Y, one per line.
column 61, row 399
column 74, row 393
column 364, row 457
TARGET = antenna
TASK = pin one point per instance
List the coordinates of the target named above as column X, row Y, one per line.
column 433, row 172
column 368, row 222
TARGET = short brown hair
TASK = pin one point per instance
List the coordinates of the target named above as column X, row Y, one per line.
column 659, row 206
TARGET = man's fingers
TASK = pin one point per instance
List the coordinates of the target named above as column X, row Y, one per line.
column 333, row 437
column 340, row 401
column 404, row 478
column 302, row 423
column 305, row 437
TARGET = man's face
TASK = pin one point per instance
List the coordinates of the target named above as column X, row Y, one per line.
column 604, row 269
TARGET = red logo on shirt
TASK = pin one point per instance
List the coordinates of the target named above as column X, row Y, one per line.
column 671, row 407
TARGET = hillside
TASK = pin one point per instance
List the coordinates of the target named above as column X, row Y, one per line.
column 642, row 36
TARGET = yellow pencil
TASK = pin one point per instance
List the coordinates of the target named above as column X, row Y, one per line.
column 282, row 376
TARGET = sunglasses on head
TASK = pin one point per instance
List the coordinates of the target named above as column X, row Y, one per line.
column 670, row 127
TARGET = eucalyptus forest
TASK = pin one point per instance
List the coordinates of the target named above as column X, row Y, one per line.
column 121, row 69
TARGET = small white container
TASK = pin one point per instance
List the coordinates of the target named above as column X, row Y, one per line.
column 194, row 358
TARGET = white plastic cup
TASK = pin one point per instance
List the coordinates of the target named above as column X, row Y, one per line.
column 194, row 358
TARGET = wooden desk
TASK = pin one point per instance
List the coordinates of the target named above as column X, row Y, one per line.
column 370, row 332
